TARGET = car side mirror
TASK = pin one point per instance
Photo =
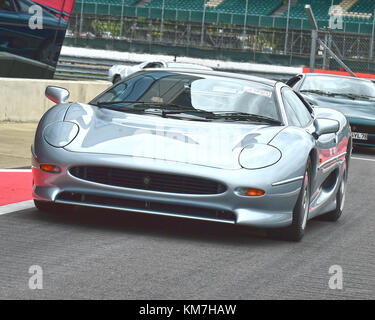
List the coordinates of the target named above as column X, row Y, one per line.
column 325, row 126
column 57, row 94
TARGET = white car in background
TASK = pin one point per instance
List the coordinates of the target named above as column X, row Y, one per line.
column 119, row 72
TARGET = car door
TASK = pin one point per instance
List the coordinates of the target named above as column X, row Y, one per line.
column 300, row 114
column 9, row 22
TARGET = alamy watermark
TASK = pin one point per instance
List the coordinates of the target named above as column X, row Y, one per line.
column 36, row 20
column 336, row 279
column 336, row 14
column 36, row 280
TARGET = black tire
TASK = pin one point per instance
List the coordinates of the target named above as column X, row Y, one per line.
column 116, row 79
column 340, row 199
column 296, row 230
column 48, row 207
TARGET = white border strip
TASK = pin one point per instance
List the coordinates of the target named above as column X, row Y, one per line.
column 15, row 170
column 364, row 159
column 14, row 207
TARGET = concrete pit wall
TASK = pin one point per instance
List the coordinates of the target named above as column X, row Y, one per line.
column 23, row 100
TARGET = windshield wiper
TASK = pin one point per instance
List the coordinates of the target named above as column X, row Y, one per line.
column 346, row 95
column 354, row 96
column 227, row 115
column 141, row 105
column 325, row 93
column 334, row 94
column 129, row 103
column 107, row 103
column 246, row 116
column 200, row 112
column 165, row 108
column 171, row 109
column 156, row 108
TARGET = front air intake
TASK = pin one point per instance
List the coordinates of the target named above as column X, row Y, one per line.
column 148, row 180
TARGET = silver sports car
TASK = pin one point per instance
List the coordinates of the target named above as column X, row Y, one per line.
column 195, row 144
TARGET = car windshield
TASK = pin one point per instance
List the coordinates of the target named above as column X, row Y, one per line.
column 339, row 85
column 186, row 91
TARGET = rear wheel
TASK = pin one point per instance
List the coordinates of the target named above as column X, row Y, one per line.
column 296, row 230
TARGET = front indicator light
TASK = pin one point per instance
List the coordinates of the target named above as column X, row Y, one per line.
column 255, row 192
column 50, row 168
column 250, row 192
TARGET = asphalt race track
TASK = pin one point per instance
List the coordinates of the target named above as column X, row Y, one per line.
column 106, row 255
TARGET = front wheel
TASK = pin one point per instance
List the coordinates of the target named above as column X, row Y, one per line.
column 49, row 207
column 340, row 200
column 296, row 230
column 116, row 79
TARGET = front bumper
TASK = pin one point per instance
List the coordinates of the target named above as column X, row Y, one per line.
column 274, row 209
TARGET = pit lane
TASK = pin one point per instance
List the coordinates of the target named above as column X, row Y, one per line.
column 109, row 255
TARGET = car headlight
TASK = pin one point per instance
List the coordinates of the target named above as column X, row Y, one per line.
column 60, row 134
column 257, row 156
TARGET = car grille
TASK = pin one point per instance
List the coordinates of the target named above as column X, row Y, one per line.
column 363, row 128
column 147, row 180
column 149, row 206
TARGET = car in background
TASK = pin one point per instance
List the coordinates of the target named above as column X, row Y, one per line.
column 119, row 72
column 16, row 37
column 69, row 34
column 354, row 97
column 107, row 35
column 87, row 35
column 195, row 144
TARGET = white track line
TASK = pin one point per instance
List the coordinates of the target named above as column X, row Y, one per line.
column 364, row 159
column 16, row 207
column 15, row 170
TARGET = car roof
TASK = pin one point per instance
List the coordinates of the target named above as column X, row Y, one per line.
column 232, row 75
column 334, row 76
column 186, row 65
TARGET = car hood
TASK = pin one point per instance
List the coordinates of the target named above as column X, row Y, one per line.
column 358, row 109
column 212, row 144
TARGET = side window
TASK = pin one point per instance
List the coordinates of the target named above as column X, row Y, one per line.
column 293, row 102
column 131, row 90
column 23, row 7
column 154, row 65
column 6, row 5
column 292, row 117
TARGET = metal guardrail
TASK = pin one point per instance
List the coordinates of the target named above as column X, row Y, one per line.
column 83, row 68
column 72, row 67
